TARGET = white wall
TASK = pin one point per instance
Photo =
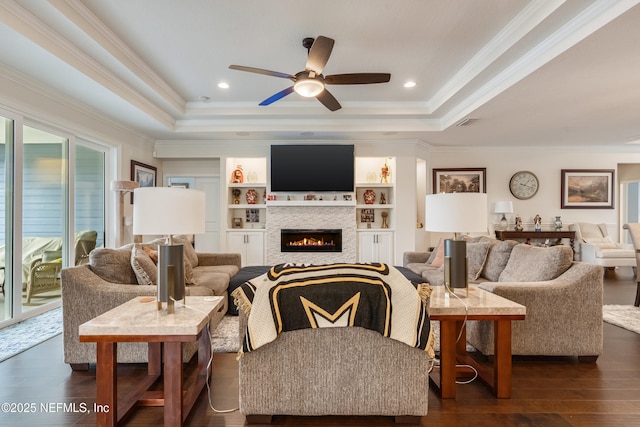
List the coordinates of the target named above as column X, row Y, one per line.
column 546, row 164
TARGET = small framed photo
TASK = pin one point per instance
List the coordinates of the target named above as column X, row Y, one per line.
column 367, row 215
column 462, row 180
column 587, row 188
column 236, row 223
column 144, row 175
column 252, row 215
column 346, row 197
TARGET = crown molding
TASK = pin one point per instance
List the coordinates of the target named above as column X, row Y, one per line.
column 584, row 24
column 530, row 17
column 84, row 19
column 44, row 115
column 21, row 20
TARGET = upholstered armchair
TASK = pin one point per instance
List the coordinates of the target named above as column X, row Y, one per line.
column 595, row 246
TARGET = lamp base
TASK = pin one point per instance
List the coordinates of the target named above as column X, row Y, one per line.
column 456, row 265
column 171, row 286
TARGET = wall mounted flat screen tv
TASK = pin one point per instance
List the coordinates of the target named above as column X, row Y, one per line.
column 312, row 168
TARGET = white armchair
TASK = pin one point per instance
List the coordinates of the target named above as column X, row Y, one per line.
column 595, row 246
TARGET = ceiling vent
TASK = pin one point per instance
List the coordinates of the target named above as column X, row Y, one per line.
column 466, row 122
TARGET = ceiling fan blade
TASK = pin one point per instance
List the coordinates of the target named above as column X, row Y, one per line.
column 277, row 96
column 357, row 78
column 262, row 71
column 319, row 54
column 328, row 100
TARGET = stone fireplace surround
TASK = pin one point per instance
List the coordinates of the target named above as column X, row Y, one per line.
column 310, row 217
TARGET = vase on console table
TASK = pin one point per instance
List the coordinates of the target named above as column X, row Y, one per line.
column 557, row 223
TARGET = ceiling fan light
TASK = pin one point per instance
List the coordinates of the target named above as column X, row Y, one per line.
column 308, row 87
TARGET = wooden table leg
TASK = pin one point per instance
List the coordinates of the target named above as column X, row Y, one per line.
column 448, row 359
column 173, row 384
column 502, row 358
column 107, row 384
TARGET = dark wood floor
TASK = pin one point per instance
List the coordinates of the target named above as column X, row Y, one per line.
column 546, row 392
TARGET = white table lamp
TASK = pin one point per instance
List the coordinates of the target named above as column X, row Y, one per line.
column 503, row 207
column 167, row 211
column 456, row 213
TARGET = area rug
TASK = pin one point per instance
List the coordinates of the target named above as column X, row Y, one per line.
column 22, row 336
column 624, row 316
column 224, row 338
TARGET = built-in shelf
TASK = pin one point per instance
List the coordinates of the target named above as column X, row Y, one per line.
column 311, row 203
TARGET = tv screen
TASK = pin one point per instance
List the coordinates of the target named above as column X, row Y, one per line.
column 312, row 167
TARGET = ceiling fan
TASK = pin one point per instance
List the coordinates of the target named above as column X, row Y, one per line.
column 311, row 82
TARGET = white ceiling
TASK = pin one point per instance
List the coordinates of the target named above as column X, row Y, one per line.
column 543, row 73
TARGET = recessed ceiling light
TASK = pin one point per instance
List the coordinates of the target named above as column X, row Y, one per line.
column 223, row 85
column 409, row 84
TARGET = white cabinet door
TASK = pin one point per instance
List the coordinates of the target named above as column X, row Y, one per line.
column 250, row 245
column 384, row 243
column 375, row 246
column 255, row 248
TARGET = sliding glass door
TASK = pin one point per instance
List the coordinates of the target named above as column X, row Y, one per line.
column 44, row 216
column 7, row 138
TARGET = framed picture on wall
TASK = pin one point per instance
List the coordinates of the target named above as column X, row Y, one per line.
column 462, row 180
column 144, row 175
column 587, row 188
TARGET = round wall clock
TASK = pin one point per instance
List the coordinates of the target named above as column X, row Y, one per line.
column 523, row 185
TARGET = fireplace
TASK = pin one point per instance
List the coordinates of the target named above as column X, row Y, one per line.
column 301, row 240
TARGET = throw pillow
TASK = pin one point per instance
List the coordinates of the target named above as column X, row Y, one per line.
column 153, row 253
column 189, row 251
column 434, row 252
column 438, row 261
column 477, row 255
column 535, row 264
column 144, row 268
column 497, row 258
column 113, row 265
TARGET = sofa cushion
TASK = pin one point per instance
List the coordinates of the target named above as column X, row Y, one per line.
column 145, row 269
column 211, row 278
column 497, row 258
column 113, row 265
column 534, row 264
column 477, row 256
column 434, row 276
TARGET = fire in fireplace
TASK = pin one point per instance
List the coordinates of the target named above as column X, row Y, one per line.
column 297, row 240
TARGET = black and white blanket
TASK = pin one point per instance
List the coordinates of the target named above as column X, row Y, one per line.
column 374, row 296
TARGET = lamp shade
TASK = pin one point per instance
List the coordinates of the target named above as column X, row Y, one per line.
column 168, row 210
column 503, row 207
column 456, row 212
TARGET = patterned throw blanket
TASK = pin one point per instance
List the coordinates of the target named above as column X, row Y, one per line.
column 373, row 296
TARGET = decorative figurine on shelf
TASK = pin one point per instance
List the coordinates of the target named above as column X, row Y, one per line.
column 237, row 176
column 518, row 226
column 252, row 196
column 236, row 196
column 369, row 197
column 384, row 215
column 252, row 176
column 383, row 199
column 537, row 223
column 385, row 173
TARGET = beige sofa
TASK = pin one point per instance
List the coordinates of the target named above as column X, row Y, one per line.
column 109, row 280
column 563, row 297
